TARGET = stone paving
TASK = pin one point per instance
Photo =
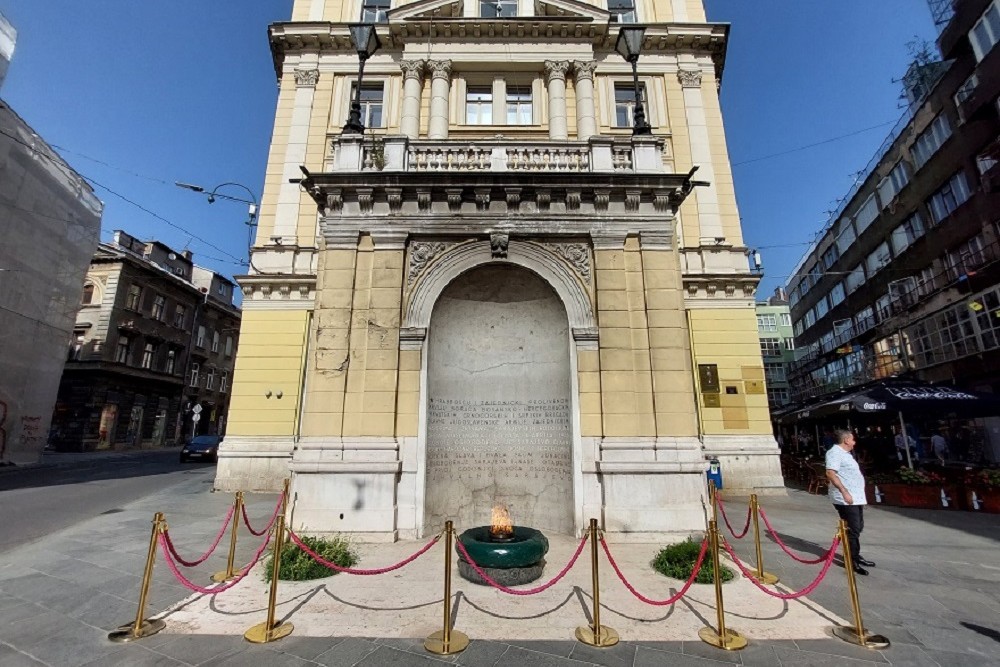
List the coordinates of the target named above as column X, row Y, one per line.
column 934, row 594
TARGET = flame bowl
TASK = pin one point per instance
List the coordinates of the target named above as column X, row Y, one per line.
column 527, row 547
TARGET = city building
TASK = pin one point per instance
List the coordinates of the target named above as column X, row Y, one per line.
column 155, row 336
column 492, row 281
column 777, row 346
column 51, row 222
column 905, row 279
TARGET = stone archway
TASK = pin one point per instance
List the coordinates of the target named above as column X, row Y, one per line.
column 499, row 424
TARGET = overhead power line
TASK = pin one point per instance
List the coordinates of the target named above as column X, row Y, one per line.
column 814, row 145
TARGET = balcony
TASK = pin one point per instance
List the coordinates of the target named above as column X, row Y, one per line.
column 497, row 155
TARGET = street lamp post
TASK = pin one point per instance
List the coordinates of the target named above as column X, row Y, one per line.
column 366, row 43
column 629, row 46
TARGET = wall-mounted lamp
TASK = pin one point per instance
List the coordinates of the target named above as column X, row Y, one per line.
column 280, row 393
column 267, row 394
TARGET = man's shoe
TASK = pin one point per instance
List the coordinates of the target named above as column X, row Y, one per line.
column 865, row 562
column 860, row 570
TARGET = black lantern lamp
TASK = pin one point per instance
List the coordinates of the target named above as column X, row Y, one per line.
column 629, row 46
column 366, row 43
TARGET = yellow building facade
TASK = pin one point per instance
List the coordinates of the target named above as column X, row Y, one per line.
column 497, row 293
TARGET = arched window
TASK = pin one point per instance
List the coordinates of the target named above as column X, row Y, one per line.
column 88, row 294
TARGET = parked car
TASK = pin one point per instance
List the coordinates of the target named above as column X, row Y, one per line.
column 201, row 448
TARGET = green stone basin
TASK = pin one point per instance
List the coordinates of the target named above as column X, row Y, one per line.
column 528, row 547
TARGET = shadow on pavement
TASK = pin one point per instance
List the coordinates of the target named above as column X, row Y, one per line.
column 132, row 464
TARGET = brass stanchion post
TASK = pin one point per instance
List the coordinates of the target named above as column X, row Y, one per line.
column 447, row 641
column 856, row 635
column 713, row 499
column 597, row 635
column 762, row 576
column 269, row 631
column 143, row 627
column 720, row 637
column 228, row 574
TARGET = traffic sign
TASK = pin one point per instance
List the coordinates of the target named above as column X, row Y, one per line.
column 197, row 409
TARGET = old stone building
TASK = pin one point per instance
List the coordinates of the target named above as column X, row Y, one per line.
column 497, row 292
column 155, row 336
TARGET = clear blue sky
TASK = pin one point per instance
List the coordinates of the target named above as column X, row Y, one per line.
column 185, row 91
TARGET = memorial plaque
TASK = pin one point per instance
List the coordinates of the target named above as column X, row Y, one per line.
column 498, row 411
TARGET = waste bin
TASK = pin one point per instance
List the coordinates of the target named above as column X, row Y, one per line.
column 714, row 473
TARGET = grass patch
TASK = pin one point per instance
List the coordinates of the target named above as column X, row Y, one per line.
column 677, row 561
column 297, row 565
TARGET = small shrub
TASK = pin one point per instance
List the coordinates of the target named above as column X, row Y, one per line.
column 677, row 561
column 297, row 565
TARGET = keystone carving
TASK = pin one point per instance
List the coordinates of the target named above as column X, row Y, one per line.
column 421, row 252
column 498, row 245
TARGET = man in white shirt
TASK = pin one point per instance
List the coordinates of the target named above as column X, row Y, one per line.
column 939, row 444
column 847, row 493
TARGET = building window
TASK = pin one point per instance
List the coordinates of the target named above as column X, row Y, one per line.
column 854, row 278
column 519, row 105
column 210, row 379
column 195, row 374
column 866, row 214
column 373, row 11
column 770, row 347
column 159, row 307
column 986, row 33
column 774, row 371
column 785, row 319
column 965, row 258
column 223, row 288
column 908, row 232
column 494, row 9
column 121, row 350
column 224, row 381
column 930, row 140
column 625, row 103
column 830, row 257
column 965, row 92
column 229, row 346
column 168, row 367
column 788, row 343
column 622, row 11
column 952, row 195
column 877, row 259
column 371, row 111
column 215, row 341
column 926, row 281
column 987, row 159
column 767, row 322
column 88, row 294
column 180, row 316
column 479, row 105
column 200, row 340
column 134, row 297
column 76, row 349
column 148, row 352
column 777, row 396
column 893, row 183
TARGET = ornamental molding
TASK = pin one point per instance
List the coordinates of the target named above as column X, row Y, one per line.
column 584, row 69
column 555, row 70
column 306, row 78
column 420, row 254
column 413, row 69
column 577, row 255
column 267, row 292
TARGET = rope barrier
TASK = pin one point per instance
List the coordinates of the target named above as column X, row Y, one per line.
column 201, row 559
column 347, row 570
column 246, row 519
column 774, row 536
column 722, row 508
column 510, row 591
column 187, row 583
column 659, row 603
column 786, row 596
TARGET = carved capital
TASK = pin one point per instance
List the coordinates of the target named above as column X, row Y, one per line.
column 306, row 78
column 689, row 78
column 584, row 69
column 440, row 69
column 413, row 69
column 556, row 69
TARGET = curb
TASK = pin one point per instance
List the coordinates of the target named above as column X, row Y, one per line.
column 81, row 461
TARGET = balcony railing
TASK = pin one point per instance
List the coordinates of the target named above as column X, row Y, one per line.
column 397, row 153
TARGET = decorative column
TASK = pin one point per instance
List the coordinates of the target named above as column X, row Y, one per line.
column 586, row 114
column 709, row 218
column 440, row 88
column 555, row 74
column 286, row 216
column 413, row 81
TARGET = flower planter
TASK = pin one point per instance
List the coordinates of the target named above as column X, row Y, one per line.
column 913, row 495
column 986, row 500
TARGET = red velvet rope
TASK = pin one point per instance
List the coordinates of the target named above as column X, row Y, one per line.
column 672, row 599
column 722, row 510
column 774, row 535
column 828, row 557
column 382, row 570
column 187, row 583
column 201, row 559
column 531, row 591
column 246, row 519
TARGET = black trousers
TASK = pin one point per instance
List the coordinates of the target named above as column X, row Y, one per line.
column 854, row 515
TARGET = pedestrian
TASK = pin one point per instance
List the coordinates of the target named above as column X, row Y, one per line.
column 847, row 493
column 939, row 445
column 902, row 440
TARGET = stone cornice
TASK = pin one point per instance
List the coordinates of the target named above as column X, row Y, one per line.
column 277, row 292
column 720, row 291
column 698, row 38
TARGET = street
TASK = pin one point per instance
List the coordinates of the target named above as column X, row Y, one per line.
column 38, row 501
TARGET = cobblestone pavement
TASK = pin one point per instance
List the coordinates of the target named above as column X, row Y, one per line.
column 934, row 593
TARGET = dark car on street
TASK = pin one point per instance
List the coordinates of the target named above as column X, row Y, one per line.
column 201, row 448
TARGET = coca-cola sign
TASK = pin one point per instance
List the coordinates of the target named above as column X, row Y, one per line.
column 929, row 393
